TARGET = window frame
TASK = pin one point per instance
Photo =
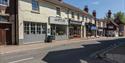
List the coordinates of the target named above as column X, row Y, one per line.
column 58, row 11
column 3, row 3
column 35, row 5
column 73, row 15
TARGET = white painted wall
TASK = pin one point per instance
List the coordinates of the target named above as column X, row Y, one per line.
column 46, row 9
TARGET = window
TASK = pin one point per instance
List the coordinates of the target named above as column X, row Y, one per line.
column 35, row 5
column 32, row 28
column 3, row 18
column 26, row 28
column 60, row 30
column 4, row 2
column 78, row 17
column 72, row 14
column 58, row 11
column 83, row 18
column 38, row 28
column 68, row 13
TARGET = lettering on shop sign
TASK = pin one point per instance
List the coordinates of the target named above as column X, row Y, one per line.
column 58, row 20
column 76, row 22
column 110, row 27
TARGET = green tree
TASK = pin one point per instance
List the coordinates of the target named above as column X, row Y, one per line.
column 121, row 16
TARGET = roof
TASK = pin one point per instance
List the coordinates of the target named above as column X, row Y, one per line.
column 66, row 5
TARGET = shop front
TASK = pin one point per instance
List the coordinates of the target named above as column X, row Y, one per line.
column 111, row 29
column 59, row 28
column 90, row 29
column 75, row 29
column 100, row 31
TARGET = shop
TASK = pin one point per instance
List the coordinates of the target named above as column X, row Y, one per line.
column 59, row 28
column 90, row 29
column 75, row 29
column 100, row 31
column 112, row 30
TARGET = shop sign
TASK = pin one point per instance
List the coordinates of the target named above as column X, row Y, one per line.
column 76, row 22
column 110, row 27
column 58, row 20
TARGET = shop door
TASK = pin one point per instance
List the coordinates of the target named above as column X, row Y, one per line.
column 2, row 37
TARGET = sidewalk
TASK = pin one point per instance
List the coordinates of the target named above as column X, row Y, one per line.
column 19, row 48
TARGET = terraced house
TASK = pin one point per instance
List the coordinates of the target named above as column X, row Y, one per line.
column 34, row 20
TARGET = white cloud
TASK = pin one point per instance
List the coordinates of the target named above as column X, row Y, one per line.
column 95, row 3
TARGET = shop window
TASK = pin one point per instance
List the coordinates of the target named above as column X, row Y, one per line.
column 4, row 2
column 44, row 29
column 32, row 28
column 38, row 28
column 58, row 11
column 35, row 5
column 60, row 30
column 26, row 28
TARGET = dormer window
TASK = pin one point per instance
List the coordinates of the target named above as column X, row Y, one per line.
column 4, row 2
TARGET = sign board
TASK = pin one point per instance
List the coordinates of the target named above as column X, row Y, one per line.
column 58, row 20
column 75, row 22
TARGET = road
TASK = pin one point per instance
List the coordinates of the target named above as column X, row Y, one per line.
column 72, row 53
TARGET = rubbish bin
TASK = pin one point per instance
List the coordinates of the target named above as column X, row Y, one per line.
column 49, row 38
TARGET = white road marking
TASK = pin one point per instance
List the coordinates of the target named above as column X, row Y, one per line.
column 21, row 60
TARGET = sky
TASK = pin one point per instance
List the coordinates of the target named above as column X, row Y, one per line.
column 101, row 6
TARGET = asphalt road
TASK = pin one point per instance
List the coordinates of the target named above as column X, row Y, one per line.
column 73, row 53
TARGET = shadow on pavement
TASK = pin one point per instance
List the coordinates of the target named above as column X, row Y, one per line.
column 79, row 55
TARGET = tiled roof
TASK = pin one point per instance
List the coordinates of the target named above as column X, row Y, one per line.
column 66, row 5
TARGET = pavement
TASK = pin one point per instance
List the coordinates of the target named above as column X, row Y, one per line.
column 19, row 48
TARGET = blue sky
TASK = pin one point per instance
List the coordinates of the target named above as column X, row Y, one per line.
column 101, row 6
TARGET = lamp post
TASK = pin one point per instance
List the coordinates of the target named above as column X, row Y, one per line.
column 86, row 9
column 94, row 14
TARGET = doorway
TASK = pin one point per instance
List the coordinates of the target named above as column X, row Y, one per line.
column 5, row 34
column 2, row 37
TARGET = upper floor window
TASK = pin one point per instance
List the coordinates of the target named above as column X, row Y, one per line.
column 4, row 2
column 3, row 18
column 78, row 16
column 35, row 5
column 58, row 11
column 72, row 14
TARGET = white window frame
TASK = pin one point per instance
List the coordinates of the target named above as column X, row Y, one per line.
column 5, row 4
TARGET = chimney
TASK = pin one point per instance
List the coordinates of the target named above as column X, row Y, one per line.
column 94, row 13
column 60, row 0
column 86, row 9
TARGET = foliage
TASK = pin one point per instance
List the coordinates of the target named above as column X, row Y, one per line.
column 121, row 16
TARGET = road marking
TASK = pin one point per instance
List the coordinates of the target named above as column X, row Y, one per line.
column 21, row 60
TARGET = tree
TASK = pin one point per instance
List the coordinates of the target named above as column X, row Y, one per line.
column 120, row 16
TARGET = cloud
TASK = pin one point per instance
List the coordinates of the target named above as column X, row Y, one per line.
column 95, row 3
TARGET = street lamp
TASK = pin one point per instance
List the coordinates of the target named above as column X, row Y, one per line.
column 86, row 9
column 94, row 14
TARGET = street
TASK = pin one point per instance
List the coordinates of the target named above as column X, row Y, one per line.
column 72, row 53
